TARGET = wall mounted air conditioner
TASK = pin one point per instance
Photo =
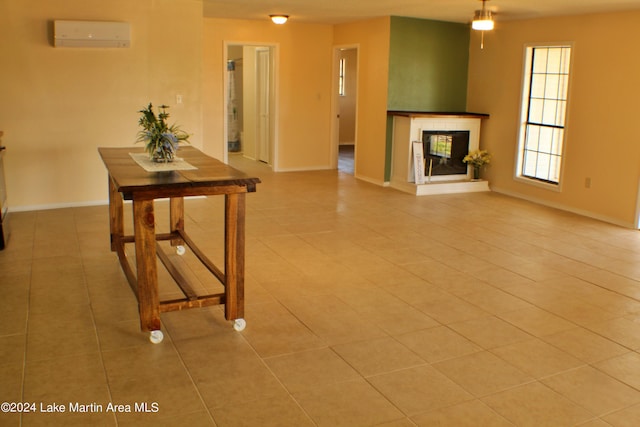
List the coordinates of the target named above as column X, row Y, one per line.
column 91, row 34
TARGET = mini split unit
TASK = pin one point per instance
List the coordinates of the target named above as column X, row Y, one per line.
column 91, row 34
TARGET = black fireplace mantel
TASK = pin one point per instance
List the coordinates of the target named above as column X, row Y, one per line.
column 437, row 114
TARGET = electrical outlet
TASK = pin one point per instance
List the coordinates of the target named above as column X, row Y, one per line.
column 587, row 182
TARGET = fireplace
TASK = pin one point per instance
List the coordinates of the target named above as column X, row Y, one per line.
column 444, row 151
column 427, row 152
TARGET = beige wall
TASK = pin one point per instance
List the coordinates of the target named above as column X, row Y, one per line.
column 303, row 56
column 60, row 104
column 602, row 141
column 372, row 38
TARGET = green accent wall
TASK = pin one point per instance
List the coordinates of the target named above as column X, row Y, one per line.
column 428, row 69
column 428, row 65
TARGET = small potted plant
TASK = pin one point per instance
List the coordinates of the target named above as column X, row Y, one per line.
column 161, row 140
column 477, row 159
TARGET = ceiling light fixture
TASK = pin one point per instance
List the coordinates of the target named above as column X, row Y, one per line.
column 279, row 19
column 482, row 21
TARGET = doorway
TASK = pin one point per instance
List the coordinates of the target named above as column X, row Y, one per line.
column 250, row 107
column 347, row 90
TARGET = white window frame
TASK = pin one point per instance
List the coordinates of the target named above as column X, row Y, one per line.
column 524, row 112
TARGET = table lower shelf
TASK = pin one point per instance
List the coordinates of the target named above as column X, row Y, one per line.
column 191, row 298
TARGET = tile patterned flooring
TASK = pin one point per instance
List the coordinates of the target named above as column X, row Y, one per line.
column 365, row 307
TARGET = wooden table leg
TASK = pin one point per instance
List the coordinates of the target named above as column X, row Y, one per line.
column 145, row 241
column 234, row 255
column 116, row 215
column 176, row 217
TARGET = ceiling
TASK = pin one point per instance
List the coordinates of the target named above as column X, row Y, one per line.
column 340, row 11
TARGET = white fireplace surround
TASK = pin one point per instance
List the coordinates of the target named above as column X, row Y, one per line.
column 409, row 127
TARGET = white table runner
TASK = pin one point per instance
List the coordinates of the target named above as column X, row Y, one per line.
column 149, row 165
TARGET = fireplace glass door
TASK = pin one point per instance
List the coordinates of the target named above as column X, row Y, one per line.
column 444, row 151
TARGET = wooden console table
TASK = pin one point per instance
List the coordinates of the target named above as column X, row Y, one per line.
column 209, row 177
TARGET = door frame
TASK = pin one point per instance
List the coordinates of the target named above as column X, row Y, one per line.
column 274, row 95
column 335, row 106
column 263, row 96
column 637, row 218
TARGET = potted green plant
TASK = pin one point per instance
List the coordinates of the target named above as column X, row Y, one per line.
column 477, row 159
column 161, row 140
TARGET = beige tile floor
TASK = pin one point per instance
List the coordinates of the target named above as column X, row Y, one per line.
column 365, row 306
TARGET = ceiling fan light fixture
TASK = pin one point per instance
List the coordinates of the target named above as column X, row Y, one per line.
column 483, row 19
column 279, row 19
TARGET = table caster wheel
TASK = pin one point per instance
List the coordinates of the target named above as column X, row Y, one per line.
column 180, row 250
column 239, row 324
column 156, row 337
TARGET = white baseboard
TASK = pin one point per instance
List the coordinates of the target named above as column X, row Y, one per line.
column 372, row 181
column 305, row 169
column 562, row 207
column 29, row 208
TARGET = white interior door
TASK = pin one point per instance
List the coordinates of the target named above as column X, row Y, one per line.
column 263, row 120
